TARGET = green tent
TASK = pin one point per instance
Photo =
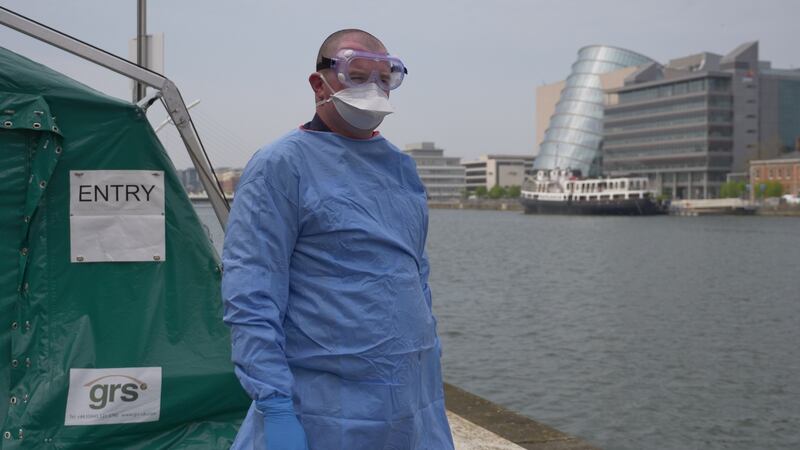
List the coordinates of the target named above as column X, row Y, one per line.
column 111, row 333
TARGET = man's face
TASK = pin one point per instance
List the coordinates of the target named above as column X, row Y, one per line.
column 326, row 110
column 360, row 69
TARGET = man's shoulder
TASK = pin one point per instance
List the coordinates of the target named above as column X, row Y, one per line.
column 404, row 157
column 277, row 157
column 285, row 147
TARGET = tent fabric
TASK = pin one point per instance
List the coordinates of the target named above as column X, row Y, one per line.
column 58, row 315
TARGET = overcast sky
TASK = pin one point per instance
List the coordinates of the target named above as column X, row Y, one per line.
column 474, row 65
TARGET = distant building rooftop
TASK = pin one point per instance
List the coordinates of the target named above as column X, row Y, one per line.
column 782, row 158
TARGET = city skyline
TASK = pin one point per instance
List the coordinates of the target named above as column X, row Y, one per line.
column 475, row 67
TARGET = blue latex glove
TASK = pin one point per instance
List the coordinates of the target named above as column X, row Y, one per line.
column 282, row 430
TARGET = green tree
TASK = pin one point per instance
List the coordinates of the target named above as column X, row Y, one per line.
column 774, row 189
column 497, row 191
column 768, row 189
column 732, row 189
column 725, row 190
column 514, row 191
column 481, row 192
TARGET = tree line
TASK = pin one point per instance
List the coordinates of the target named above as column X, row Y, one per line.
column 739, row 189
column 496, row 192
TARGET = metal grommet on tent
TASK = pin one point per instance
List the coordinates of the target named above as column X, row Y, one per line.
column 42, row 184
column 7, row 435
column 37, row 125
column 8, row 124
column 14, row 363
column 14, row 325
column 58, row 150
column 13, row 400
column 55, row 128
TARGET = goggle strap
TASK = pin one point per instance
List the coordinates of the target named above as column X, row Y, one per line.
column 326, row 63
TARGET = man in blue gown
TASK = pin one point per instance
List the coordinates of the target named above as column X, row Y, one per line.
column 326, row 278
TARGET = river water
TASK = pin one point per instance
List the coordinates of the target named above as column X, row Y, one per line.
column 629, row 332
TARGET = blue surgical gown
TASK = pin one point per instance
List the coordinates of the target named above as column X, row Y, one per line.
column 326, row 292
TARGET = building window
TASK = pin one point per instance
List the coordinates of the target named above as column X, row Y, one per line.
column 697, row 85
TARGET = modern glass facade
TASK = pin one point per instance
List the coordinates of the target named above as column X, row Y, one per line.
column 789, row 112
column 574, row 136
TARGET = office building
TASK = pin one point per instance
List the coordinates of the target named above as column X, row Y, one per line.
column 690, row 124
column 442, row 176
column 497, row 170
column 678, row 132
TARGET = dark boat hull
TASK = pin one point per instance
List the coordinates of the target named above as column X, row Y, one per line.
column 621, row 207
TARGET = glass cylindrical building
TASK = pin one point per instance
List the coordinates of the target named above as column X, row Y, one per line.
column 573, row 138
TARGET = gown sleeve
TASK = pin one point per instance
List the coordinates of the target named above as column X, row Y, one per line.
column 259, row 241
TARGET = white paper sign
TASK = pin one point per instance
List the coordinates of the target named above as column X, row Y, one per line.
column 106, row 396
column 116, row 215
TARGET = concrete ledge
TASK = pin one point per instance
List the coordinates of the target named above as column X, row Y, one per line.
column 507, row 424
column 468, row 436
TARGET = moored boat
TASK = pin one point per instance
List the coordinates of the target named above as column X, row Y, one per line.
column 562, row 191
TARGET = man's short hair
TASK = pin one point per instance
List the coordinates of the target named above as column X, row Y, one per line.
column 331, row 43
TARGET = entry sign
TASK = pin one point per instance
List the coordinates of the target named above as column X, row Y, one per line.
column 116, row 215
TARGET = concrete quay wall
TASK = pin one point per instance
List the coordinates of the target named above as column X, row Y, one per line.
column 781, row 210
column 504, row 204
column 479, row 424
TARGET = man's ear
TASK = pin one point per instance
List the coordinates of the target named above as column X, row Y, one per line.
column 317, row 85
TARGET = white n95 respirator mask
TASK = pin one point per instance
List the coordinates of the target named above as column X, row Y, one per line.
column 363, row 106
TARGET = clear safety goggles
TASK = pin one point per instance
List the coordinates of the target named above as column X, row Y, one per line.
column 354, row 68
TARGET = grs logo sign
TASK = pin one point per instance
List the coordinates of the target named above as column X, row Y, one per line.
column 107, row 396
column 101, row 394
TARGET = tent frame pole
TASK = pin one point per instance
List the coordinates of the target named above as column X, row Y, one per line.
column 170, row 96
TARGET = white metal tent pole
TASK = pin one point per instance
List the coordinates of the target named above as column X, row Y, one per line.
column 170, row 96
